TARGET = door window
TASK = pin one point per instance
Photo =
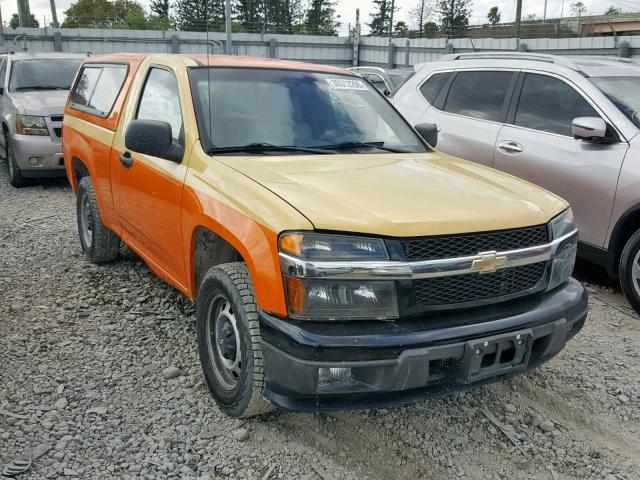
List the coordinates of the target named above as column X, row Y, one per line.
column 3, row 72
column 97, row 88
column 479, row 94
column 160, row 101
column 434, row 85
column 550, row 105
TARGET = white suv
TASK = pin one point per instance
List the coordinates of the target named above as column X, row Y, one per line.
column 568, row 124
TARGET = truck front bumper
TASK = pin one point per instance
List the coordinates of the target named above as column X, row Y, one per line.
column 313, row 366
column 38, row 156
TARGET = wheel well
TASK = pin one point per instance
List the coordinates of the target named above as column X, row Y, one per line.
column 210, row 250
column 80, row 170
column 628, row 224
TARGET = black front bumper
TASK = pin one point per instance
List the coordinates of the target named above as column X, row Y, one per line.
column 404, row 360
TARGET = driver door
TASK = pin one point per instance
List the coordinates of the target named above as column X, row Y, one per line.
column 149, row 189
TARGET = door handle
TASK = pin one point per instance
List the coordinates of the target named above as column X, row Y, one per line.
column 126, row 160
column 510, row 146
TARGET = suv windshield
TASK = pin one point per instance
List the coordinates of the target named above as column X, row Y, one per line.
column 43, row 74
column 259, row 110
column 624, row 92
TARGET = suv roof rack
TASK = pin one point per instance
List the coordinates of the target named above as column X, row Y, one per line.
column 537, row 57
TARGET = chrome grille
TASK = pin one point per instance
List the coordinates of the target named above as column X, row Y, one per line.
column 57, row 118
column 476, row 287
column 429, row 248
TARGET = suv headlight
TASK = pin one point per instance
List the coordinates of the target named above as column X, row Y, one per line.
column 564, row 258
column 31, row 125
column 320, row 299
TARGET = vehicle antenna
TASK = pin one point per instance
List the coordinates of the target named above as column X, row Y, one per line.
column 209, row 93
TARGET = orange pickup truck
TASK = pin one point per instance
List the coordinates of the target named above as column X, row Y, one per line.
column 337, row 261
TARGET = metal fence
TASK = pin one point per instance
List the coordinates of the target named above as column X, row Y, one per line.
column 334, row 50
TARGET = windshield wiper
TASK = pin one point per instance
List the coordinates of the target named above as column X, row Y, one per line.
column 41, row 87
column 264, row 147
column 356, row 144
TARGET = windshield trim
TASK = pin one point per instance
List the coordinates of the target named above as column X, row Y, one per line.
column 205, row 141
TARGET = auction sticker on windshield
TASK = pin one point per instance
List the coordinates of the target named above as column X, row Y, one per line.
column 346, row 84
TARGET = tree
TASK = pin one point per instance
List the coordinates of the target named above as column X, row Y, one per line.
column 420, row 13
column 250, row 14
column 105, row 14
column 454, row 14
column 15, row 21
column 430, row 28
column 401, row 29
column 160, row 8
column 578, row 8
column 494, row 16
column 321, row 18
column 199, row 15
column 381, row 17
column 613, row 11
column 532, row 17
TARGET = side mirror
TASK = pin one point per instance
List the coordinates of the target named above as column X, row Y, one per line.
column 589, row 129
column 429, row 132
column 387, row 92
column 152, row 137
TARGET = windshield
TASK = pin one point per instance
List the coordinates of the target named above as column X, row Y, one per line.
column 297, row 109
column 624, row 92
column 43, row 74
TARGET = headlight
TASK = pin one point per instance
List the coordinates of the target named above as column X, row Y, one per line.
column 319, row 299
column 562, row 224
column 31, row 125
column 318, row 246
column 564, row 258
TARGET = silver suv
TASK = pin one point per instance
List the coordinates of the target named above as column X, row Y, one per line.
column 33, row 93
column 568, row 124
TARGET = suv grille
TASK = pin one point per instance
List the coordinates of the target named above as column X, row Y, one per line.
column 57, row 118
column 472, row 244
column 475, row 287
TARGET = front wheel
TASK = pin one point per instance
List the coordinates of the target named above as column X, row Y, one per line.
column 229, row 340
column 99, row 244
column 15, row 174
column 630, row 271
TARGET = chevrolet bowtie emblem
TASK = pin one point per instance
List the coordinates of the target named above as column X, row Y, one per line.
column 488, row 262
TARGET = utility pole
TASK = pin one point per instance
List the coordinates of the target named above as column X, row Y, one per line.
column 518, row 17
column 391, row 19
column 544, row 15
column 54, row 15
column 24, row 13
column 356, row 40
column 1, row 28
column 227, row 14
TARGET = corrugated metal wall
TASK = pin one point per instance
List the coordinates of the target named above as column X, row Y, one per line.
column 319, row 49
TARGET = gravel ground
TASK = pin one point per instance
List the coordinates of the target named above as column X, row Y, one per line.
column 100, row 363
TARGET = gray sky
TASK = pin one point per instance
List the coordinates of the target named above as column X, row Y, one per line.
column 347, row 9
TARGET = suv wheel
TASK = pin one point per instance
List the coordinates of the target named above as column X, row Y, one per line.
column 15, row 175
column 99, row 244
column 229, row 340
column 630, row 271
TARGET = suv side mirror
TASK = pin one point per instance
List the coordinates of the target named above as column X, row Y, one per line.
column 152, row 137
column 429, row 132
column 386, row 92
column 590, row 129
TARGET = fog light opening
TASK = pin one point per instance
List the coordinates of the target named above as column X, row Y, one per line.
column 329, row 376
column 34, row 161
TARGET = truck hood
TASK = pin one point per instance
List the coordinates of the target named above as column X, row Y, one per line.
column 42, row 102
column 400, row 194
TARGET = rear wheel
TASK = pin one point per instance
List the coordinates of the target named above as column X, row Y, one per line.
column 630, row 271
column 99, row 244
column 15, row 175
column 229, row 340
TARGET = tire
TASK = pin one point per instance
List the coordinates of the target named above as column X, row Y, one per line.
column 15, row 175
column 630, row 271
column 99, row 244
column 229, row 341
